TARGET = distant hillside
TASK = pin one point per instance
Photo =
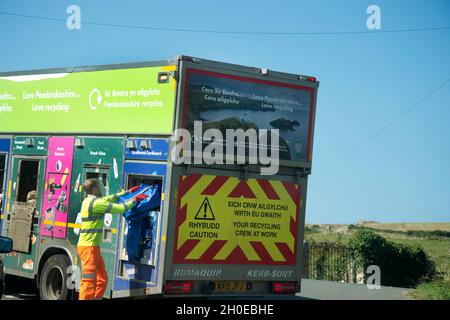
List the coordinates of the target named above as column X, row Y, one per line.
column 396, row 227
column 405, row 227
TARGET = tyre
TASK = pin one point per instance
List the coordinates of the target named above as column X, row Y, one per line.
column 53, row 278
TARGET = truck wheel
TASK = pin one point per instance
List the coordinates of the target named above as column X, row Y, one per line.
column 53, row 278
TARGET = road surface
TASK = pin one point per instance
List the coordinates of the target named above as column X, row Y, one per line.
column 19, row 289
column 328, row 290
column 22, row 289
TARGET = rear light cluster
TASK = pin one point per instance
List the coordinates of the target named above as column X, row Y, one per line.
column 284, row 287
column 307, row 78
column 185, row 287
column 178, row 287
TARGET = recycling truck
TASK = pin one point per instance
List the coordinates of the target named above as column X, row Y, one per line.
column 228, row 149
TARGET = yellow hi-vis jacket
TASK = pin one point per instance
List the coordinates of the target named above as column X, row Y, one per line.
column 93, row 210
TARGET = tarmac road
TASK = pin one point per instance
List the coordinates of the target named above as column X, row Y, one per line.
column 23, row 289
column 328, row 290
column 19, row 289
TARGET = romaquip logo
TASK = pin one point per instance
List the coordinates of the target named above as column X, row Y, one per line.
column 95, row 99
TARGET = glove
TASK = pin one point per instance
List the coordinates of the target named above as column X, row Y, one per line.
column 133, row 189
column 139, row 197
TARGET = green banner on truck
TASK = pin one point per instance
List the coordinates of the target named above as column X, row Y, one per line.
column 134, row 100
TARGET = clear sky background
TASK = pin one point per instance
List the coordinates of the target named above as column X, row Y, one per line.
column 366, row 80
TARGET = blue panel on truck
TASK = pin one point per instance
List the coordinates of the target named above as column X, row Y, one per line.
column 146, row 149
column 5, row 145
column 5, row 148
column 132, row 274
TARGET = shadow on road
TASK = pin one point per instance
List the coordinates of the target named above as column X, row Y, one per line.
column 18, row 288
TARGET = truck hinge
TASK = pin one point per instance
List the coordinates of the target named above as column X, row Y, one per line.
column 176, row 75
column 244, row 172
column 303, row 172
column 186, row 169
column 191, row 59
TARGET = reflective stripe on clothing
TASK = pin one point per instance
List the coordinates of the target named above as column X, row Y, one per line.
column 108, row 210
column 93, row 210
column 91, row 216
column 94, row 278
column 91, row 219
column 91, row 231
column 91, row 223
column 91, row 205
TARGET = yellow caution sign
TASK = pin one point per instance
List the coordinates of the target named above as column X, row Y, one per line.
column 226, row 220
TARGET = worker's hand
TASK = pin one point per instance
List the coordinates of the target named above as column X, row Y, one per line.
column 133, row 189
column 139, row 197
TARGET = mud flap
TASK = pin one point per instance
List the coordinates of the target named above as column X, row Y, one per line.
column 20, row 225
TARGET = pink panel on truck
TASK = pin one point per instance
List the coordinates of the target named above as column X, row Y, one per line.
column 55, row 206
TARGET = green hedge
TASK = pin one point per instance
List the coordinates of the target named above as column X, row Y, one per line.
column 434, row 234
column 401, row 265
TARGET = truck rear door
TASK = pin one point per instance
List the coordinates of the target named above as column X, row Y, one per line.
column 236, row 236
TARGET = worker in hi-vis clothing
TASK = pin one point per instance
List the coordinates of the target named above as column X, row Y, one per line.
column 94, row 278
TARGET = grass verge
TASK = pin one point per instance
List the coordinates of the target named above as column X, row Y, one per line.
column 434, row 290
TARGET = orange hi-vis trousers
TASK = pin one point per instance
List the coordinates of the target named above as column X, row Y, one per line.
column 93, row 273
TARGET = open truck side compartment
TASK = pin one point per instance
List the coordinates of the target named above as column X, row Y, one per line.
column 220, row 229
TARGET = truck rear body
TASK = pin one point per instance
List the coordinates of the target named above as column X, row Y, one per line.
column 233, row 230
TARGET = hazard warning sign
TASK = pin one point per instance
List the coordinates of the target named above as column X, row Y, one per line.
column 230, row 221
column 205, row 212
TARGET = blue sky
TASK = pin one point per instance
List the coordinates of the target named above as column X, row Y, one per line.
column 366, row 80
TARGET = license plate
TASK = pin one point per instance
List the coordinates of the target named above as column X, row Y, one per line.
column 227, row 286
